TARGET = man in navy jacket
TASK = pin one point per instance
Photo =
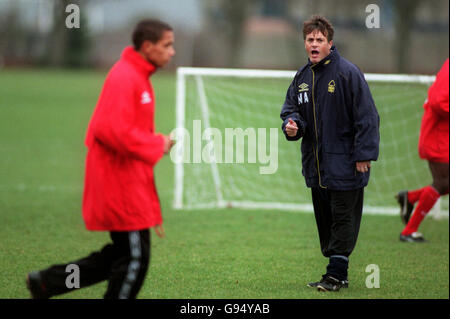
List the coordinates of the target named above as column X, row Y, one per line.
column 329, row 106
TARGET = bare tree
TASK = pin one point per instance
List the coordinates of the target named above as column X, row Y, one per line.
column 11, row 35
column 57, row 36
column 405, row 12
column 67, row 47
column 234, row 14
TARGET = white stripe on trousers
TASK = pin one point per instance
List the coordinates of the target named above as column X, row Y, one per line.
column 133, row 267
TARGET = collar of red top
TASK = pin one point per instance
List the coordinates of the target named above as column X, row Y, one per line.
column 131, row 55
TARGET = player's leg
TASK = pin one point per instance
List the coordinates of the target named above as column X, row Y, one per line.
column 346, row 208
column 406, row 199
column 440, row 173
column 428, row 197
column 130, row 266
column 53, row 280
column 347, row 211
column 322, row 214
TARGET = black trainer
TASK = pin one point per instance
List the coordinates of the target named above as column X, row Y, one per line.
column 36, row 286
column 329, row 283
column 406, row 208
column 413, row 238
column 314, row 284
column 344, row 283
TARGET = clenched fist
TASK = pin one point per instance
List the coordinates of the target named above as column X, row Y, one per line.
column 291, row 128
column 168, row 143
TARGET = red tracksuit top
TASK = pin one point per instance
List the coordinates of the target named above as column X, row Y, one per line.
column 119, row 191
column 434, row 134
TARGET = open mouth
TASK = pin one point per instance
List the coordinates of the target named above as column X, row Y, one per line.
column 314, row 53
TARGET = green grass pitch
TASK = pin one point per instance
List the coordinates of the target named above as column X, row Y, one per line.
column 228, row 253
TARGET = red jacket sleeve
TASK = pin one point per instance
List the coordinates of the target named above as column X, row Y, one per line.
column 438, row 92
column 118, row 124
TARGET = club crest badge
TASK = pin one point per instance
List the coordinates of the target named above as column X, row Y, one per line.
column 331, row 86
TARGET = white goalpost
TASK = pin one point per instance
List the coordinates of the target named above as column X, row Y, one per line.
column 223, row 111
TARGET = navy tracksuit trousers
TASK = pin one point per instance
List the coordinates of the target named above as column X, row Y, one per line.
column 338, row 218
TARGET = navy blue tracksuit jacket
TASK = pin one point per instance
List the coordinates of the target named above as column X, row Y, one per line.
column 332, row 105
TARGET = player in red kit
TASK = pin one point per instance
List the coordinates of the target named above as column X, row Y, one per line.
column 434, row 147
column 120, row 195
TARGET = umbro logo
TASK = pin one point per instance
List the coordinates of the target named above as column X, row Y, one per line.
column 146, row 98
column 303, row 87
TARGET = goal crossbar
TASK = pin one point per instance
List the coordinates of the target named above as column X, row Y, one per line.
column 254, row 73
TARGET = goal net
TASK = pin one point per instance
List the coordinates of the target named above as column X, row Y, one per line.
column 230, row 150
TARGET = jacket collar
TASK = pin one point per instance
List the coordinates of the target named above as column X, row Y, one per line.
column 334, row 55
column 142, row 65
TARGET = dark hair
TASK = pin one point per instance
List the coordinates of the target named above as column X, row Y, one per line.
column 149, row 29
column 318, row 23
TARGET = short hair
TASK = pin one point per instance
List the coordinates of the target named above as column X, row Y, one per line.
column 318, row 23
column 149, row 29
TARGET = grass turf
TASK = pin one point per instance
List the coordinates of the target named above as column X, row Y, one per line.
column 227, row 253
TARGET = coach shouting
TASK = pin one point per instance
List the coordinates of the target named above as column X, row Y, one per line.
column 330, row 106
column 119, row 192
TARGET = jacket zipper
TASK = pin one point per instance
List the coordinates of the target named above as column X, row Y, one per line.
column 315, row 128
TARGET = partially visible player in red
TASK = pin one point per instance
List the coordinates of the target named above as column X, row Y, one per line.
column 433, row 146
